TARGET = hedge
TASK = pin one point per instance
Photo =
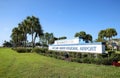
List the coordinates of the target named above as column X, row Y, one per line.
column 91, row 58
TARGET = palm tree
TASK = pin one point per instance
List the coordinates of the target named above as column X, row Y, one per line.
column 16, row 36
column 30, row 25
column 47, row 38
column 110, row 32
column 38, row 29
column 77, row 34
column 102, row 34
column 88, row 38
column 34, row 28
column 81, row 34
column 23, row 29
column 63, row 37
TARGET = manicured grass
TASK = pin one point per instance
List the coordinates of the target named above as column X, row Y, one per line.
column 32, row 65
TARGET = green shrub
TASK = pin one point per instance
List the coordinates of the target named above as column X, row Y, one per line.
column 73, row 60
column 79, row 60
column 115, row 57
column 106, row 61
column 29, row 50
column 37, row 50
column 85, row 55
column 111, row 52
column 72, row 54
column 40, row 50
column 22, row 50
column 86, row 60
column 78, row 55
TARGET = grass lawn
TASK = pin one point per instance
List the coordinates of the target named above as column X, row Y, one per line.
column 32, row 65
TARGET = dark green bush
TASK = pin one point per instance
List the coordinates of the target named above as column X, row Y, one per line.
column 106, row 61
column 115, row 57
column 85, row 55
column 40, row 50
column 110, row 53
column 74, row 60
column 37, row 50
column 72, row 54
column 29, row 49
column 78, row 60
column 22, row 50
column 78, row 55
column 86, row 60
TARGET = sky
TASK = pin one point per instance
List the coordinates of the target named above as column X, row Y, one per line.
column 61, row 17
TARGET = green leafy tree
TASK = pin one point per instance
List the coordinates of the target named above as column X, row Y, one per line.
column 84, row 36
column 16, row 36
column 77, row 34
column 107, row 33
column 110, row 32
column 63, row 37
column 81, row 34
column 49, row 38
column 7, row 44
column 23, row 30
column 102, row 34
column 30, row 25
column 34, row 28
column 88, row 38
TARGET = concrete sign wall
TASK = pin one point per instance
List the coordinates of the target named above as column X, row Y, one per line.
column 86, row 47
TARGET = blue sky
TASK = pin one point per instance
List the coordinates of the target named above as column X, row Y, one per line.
column 61, row 17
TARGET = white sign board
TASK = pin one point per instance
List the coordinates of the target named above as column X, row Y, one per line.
column 67, row 41
column 74, row 45
column 79, row 48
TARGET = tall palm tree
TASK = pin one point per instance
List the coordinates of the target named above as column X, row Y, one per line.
column 88, row 38
column 77, row 34
column 47, row 38
column 110, row 32
column 81, row 34
column 38, row 29
column 51, row 38
column 102, row 34
column 16, row 36
column 63, row 37
column 23, row 29
column 34, row 28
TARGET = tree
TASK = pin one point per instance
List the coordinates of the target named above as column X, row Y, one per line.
column 23, row 30
column 107, row 33
column 77, row 34
column 48, row 38
column 7, row 44
column 88, row 38
column 34, row 28
column 16, row 36
column 99, row 39
column 84, row 36
column 102, row 34
column 30, row 25
column 63, row 37
column 110, row 32
column 81, row 34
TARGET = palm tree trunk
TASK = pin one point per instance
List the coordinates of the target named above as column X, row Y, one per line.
column 32, row 41
column 25, row 39
column 34, row 38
